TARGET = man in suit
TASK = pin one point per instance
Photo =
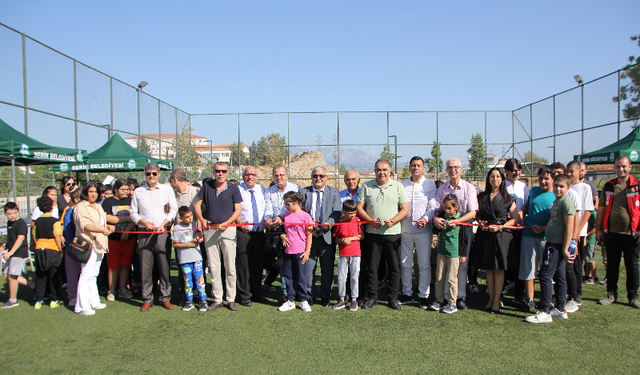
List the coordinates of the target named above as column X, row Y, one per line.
column 323, row 204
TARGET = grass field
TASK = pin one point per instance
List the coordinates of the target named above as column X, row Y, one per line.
column 262, row 340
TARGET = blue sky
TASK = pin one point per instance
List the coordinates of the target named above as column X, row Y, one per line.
column 251, row 56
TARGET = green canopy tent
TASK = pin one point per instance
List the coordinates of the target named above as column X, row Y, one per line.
column 628, row 146
column 19, row 149
column 114, row 156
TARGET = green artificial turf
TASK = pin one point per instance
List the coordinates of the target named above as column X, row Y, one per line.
column 262, row 340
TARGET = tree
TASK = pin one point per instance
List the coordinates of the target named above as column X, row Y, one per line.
column 386, row 154
column 271, row 150
column 434, row 164
column 631, row 91
column 185, row 154
column 477, row 157
column 143, row 146
column 238, row 157
column 527, row 158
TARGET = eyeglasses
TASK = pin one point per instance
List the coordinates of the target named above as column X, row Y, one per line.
column 318, row 176
column 279, row 175
column 290, row 204
column 250, row 174
column 220, row 170
column 70, row 184
column 452, row 167
column 151, row 174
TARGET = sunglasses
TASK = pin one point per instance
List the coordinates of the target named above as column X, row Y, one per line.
column 151, row 174
column 318, row 176
column 250, row 174
column 70, row 184
column 220, row 170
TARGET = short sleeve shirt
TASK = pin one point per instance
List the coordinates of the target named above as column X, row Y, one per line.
column 220, row 204
column 14, row 229
column 538, row 205
column 383, row 203
column 556, row 226
column 296, row 234
column 117, row 207
column 345, row 230
column 184, row 234
column 584, row 202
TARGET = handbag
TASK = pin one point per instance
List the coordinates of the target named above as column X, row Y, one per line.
column 80, row 250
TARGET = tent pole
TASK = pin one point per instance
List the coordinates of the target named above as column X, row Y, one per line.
column 13, row 178
column 87, row 172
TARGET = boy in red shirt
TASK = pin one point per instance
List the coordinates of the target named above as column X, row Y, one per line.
column 348, row 235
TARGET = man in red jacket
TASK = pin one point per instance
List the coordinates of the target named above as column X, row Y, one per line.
column 618, row 224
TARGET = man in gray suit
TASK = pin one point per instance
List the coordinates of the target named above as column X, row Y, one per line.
column 323, row 204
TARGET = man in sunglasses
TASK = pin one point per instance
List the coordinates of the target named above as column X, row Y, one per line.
column 148, row 212
column 223, row 207
column 323, row 204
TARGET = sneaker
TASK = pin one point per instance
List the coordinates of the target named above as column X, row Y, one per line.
column 288, row 306
column 371, row 303
column 88, row 312
column 450, row 309
column 305, row 306
column 99, row 306
column 589, row 281
column 531, row 305
column 540, row 317
column 203, row 306
column 608, row 300
column 54, row 304
column 339, row 305
column 10, row 304
column 405, row 299
column 37, row 305
column 578, row 300
column 72, row 302
column 353, row 306
column 111, row 296
column 269, row 288
column 188, row 306
column 474, row 288
column 435, row 306
column 462, row 304
column 635, row 302
column 508, row 287
column 558, row 314
column 571, row 306
column 423, row 303
column 601, row 282
column 124, row 293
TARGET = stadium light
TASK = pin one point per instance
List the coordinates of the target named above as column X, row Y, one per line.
column 578, row 78
column 142, row 84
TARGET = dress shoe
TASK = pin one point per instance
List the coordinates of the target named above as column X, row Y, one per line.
column 246, row 303
column 461, row 304
column 370, row 304
column 311, row 301
column 146, row 306
column 214, row 306
column 167, row 305
column 325, row 302
column 395, row 305
column 232, row 306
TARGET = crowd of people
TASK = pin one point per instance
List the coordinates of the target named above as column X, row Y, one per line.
column 386, row 233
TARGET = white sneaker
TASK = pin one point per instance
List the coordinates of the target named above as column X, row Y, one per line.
column 88, row 312
column 450, row 309
column 99, row 306
column 571, row 306
column 110, row 296
column 508, row 287
column 288, row 306
column 540, row 317
column 305, row 306
column 557, row 314
column 435, row 306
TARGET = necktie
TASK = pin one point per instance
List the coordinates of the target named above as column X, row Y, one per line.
column 318, row 215
column 254, row 208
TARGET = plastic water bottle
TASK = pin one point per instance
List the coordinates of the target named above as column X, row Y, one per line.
column 572, row 247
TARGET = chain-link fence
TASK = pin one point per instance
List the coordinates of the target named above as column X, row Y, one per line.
column 60, row 101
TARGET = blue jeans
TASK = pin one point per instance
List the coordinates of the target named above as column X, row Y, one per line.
column 294, row 274
column 195, row 269
column 552, row 264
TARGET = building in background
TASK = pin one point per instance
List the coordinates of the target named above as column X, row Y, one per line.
column 161, row 147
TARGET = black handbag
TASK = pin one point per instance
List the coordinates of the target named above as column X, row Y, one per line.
column 80, row 250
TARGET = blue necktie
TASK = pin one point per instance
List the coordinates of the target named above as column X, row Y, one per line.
column 318, row 207
column 254, row 208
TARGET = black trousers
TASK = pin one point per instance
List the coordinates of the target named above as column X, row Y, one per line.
column 574, row 274
column 249, row 260
column 47, row 274
column 389, row 246
column 619, row 245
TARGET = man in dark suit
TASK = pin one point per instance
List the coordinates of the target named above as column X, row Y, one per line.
column 323, row 204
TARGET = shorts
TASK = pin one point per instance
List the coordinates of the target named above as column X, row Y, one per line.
column 531, row 250
column 120, row 253
column 589, row 253
column 14, row 266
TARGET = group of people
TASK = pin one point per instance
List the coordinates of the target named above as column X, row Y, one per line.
column 383, row 229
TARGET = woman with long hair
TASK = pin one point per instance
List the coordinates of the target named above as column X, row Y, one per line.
column 91, row 225
column 493, row 247
column 67, row 185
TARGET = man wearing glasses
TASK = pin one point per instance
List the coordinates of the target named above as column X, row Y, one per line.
column 385, row 201
column 468, row 205
column 323, row 204
column 148, row 212
column 223, row 207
